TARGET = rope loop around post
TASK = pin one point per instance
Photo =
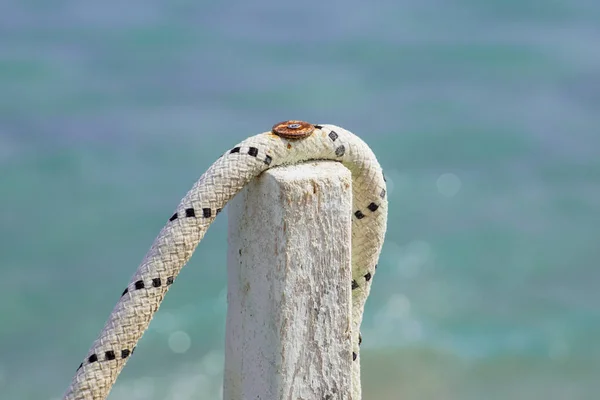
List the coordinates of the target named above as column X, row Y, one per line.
column 187, row 225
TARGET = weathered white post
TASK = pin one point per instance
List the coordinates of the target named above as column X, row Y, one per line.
column 289, row 292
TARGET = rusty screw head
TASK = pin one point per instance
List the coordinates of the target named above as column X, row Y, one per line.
column 293, row 129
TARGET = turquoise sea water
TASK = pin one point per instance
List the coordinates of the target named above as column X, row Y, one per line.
column 484, row 115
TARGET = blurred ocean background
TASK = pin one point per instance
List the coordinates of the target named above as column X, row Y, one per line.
column 484, row 114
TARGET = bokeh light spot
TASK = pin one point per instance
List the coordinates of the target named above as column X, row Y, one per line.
column 398, row 306
column 448, row 184
column 414, row 256
column 179, row 342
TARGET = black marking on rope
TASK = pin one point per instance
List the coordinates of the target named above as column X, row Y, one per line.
column 359, row 214
column 253, row 151
column 169, row 280
column 132, row 350
column 373, row 207
column 268, row 160
column 354, row 356
column 156, row 282
column 218, row 211
column 359, row 339
column 368, row 276
column 139, row 285
column 375, row 266
column 235, row 150
column 333, row 135
column 206, row 213
column 382, row 194
column 125, row 292
column 189, row 212
column 340, row 151
column 382, row 174
column 173, row 217
column 318, row 127
column 109, row 355
column 354, row 285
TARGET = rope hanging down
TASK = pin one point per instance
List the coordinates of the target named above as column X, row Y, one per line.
column 289, row 142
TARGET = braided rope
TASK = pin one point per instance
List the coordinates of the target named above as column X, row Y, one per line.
column 197, row 210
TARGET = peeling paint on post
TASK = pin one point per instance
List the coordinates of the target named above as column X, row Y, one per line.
column 289, row 292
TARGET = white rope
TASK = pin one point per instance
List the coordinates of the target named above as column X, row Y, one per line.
column 197, row 210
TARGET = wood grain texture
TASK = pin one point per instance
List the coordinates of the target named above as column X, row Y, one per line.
column 289, row 299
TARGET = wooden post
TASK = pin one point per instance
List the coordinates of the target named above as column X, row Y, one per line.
column 289, row 292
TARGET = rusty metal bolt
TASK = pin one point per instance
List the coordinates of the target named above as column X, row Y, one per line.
column 293, row 129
